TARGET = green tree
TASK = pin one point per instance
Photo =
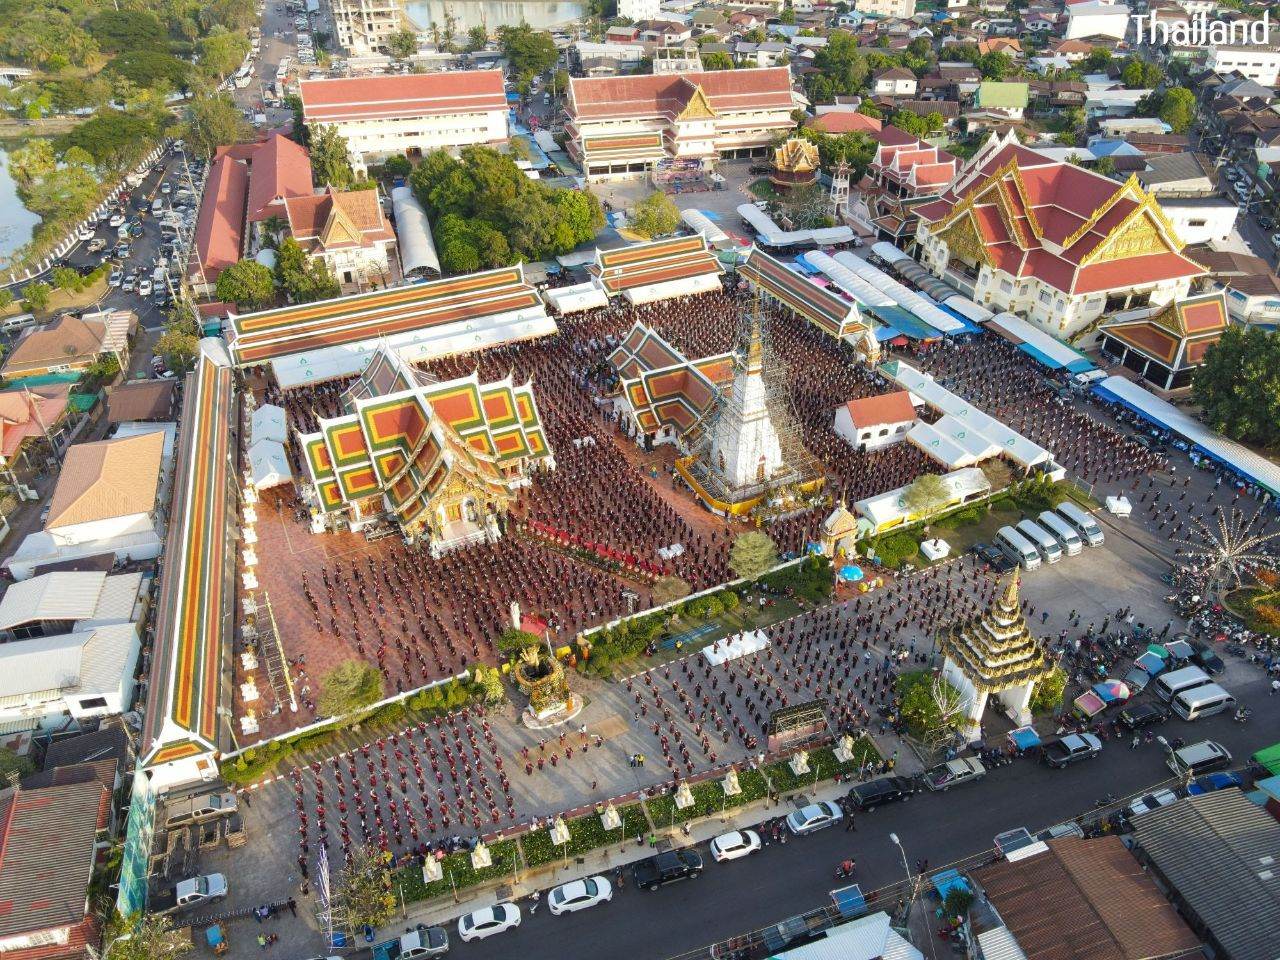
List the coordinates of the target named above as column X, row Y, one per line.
column 529, row 52
column 927, row 494
column 114, row 138
column 398, row 166
column 787, row 17
column 489, row 682
column 10, row 762
column 403, row 44
column 35, row 296
column 1105, row 166
column 247, row 284
column 869, row 109
column 178, row 345
column 994, row 65
column 1098, row 60
column 717, row 60
column 118, row 30
column 151, row 68
column 348, row 688
column 931, row 707
column 65, row 278
column 477, row 37
column 753, row 553
column 145, row 937
column 363, row 894
column 222, row 51
column 1238, row 385
column 213, row 121
column 1178, row 109
column 1140, row 74
column 655, row 216
column 840, row 68
column 1048, row 693
column 330, row 158
column 300, row 278
column 300, row 131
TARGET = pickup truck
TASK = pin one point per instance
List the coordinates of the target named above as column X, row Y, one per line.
column 189, row 893
column 417, row 944
column 1071, row 749
column 953, row 773
column 654, row 872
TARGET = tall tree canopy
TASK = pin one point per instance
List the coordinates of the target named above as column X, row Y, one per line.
column 1238, row 387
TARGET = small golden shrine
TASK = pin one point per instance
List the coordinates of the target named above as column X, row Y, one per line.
column 795, row 164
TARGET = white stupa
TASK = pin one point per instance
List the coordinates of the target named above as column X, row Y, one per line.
column 744, row 443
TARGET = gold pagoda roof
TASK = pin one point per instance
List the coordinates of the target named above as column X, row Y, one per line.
column 995, row 650
column 796, row 156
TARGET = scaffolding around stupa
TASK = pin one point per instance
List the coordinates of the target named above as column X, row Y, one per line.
column 748, row 451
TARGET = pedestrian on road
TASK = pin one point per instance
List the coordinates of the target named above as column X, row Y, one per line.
column 849, row 824
column 1134, row 744
column 293, row 906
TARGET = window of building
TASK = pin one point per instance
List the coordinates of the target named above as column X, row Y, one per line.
column 93, row 703
column 1044, row 297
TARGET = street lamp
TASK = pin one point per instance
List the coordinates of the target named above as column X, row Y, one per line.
column 910, row 881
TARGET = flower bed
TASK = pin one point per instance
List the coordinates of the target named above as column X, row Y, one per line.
column 753, row 785
column 458, row 867
column 822, row 766
column 585, row 833
column 708, row 799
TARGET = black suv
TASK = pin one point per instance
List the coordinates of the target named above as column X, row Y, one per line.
column 655, row 872
column 868, row 796
column 1142, row 715
column 992, row 556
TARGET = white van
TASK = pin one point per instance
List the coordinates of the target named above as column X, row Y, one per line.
column 1017, row 548
column 1202, row 701
column 1199, row 759
column 1081, row 522
column 17, row 322
column 1169, row 685
column 1062, row 531
column 1042, row 539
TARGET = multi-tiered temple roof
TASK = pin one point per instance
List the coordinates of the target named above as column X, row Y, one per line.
column 995, row 650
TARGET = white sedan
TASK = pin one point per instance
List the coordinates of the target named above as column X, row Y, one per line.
column 579, row 894
column 486, row 922
column 732, row 846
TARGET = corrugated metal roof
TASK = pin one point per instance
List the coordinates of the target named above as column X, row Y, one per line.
column 1000, row 944
column 47, row 845
column 118, row 598
column 1222, row 855
column 108, row 652
column 866, row 938
column 1084, row 900
column 53, row 596
column 40, row 665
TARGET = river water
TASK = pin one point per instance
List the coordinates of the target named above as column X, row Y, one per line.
column 17, row 223
column 540, row 14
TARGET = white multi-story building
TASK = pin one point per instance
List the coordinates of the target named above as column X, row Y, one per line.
column 410, row 114
column 637, row 10
column 1053, row 242
column 901, row 9
column 1259, row 64
column 624, row 126
column 1097, row 20
column 363, row 27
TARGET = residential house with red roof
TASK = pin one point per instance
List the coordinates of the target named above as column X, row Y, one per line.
column 1052, row 242
column 409, row 114
column 625, row 126
column 49, row 842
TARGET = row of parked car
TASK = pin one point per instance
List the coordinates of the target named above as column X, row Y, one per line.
column 1061, row 532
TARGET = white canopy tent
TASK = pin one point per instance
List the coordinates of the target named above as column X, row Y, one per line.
column 413, row 233
column 967, row 308
column 1053, row 351
column 575, row 299
column 887, row 252
column 730, row 648
column 952, row 443
column 653, row 292
column 1241, row 459
column 903, row 296
column 848, row 281
column 699, row 222
column 969, row 418
column 267, row 423
column 268, row 464
column 772, row 235
column 888, row 510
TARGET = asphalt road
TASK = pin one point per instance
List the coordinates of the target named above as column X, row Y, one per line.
column 780, row 882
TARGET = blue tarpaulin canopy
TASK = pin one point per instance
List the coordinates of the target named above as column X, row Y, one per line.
column 907, row 322
column 885, row 334
column 849, row 901
column 1150, row 663
column 949, row 880
column 1024, row 738
column 851, row 573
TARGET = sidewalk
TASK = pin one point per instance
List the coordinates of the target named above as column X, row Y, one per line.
column 606, row 859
